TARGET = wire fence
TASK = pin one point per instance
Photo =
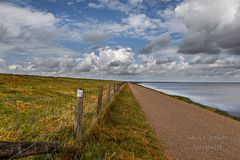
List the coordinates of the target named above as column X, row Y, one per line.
column 48, row 119
column 35, row 120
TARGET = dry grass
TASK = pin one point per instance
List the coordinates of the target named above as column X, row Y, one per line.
column 122, row 133
column 36, row 119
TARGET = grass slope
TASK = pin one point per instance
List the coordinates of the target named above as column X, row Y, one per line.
column 123, row 133
column 33, row 125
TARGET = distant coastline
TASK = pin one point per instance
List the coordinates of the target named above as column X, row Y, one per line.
column 188, row 100
column 137, row 82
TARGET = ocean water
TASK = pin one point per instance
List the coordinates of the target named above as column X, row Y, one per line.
column 224, row 96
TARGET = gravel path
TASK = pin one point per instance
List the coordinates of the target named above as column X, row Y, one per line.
column 188, row 132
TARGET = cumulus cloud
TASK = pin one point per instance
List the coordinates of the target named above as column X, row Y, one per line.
column 35, row 34
column 15, row 20
column 123, row 61
column 22, row 28
column 139, row 21
column 105, row 60
column 213, row 26
column 115, row 60
column 15, row 67
column 166, row 14
column 87, row 64
column 203, row 59
column 157, row 44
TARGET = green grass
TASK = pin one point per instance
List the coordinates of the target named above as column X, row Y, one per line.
column 36, row 118
column 122, row 133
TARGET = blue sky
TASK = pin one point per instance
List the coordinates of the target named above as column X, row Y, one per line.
column 164, row 40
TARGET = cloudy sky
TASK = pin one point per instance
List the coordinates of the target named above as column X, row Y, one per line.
column 163, row 40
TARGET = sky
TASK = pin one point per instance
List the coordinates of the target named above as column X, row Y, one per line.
column 143, row 40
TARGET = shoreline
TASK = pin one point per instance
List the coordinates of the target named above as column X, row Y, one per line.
column 190, row 101
column 187, row 131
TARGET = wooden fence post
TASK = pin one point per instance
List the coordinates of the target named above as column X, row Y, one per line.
column 108, row 93
column 100, row 95
column 79, row 115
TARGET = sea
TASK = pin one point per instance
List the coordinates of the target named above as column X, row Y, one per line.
column 224, row 96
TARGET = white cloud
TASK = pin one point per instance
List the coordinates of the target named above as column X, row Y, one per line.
column 105, row 60
column 23, row 29
column 2, row 61
column 212, row 25
column 110, row 60
column 87, row 64
column 33, row 33
column 166, row 13
column 15, row 19
column 134, row 25
column 15, row 67
column 140, row 21
column 94, row 5
column 123, row 61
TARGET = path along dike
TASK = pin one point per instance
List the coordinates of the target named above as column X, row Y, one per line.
column 188, row 132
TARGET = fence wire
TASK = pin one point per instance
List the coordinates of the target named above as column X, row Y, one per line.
column 48, row 119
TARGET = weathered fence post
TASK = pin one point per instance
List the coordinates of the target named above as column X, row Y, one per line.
column 100, row 95
column 79, row 115
column 108, row 93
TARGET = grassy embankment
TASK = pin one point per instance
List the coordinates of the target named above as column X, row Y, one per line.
column 50, row 115
column 122, row 133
